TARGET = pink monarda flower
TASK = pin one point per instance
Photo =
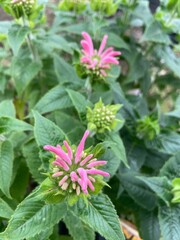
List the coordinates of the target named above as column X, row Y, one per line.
column 75, row 171
column 97, row 61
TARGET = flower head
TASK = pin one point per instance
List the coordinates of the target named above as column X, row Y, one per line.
column 97, row 61
column 22, row 7
column 102, row 117
column 75, row 171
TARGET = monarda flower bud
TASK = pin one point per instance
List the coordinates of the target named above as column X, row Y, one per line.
column 75, row 172
column 22, row 8
column 108, row 7
column 102, row 117
column 72, row 5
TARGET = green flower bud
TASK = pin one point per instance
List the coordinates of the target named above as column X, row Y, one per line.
column 102, row 117
column 21, row 8
column 72, row 5
column 108, row 7
column 176, row 190
column 147, row 128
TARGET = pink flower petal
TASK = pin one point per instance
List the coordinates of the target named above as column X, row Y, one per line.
column 90, row 185
column 86, row 160
column 59, row 152
column 97, row 163
column 86, row 47
column 57, row 174
column 107, row 51
column 97, row 171
column 83, row 174
column 86, row 60
column 74, row 176
column 103, row 44
column 103, row 72
column 89, row 40
column 69, row 150
column 61, row 163
column 110, row 60
column 80, row 147
column 63, row 180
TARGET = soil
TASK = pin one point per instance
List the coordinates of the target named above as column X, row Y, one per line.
column 4, row 16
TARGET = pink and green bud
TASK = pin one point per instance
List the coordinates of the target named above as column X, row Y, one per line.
column 75, row 172
column 22, row 8
column 97, row 62
column 176, row 190
column 102, row 117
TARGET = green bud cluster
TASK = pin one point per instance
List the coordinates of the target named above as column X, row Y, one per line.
column 73, row 5
column 147, row 128
column 102, row 117
column 22, row 7
column 108, row 7
column 176, row 190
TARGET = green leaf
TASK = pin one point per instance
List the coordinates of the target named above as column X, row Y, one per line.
column 138, row 191
column 6, row 166
column 115, row 143
column 44, row 234
column 154, row 33
column 46, row 132
column 149, row 225
column 23, row 72
column 171, row 168
column 78, row 229
column 169, row 218
column 161, row 186
column 166, row 54
column 101, row 216
column 16, row 36
column 8, row 124
column 32, row 216
column 56, row 99
column 116, row 41
column 64, row 71
column 5, row 210
column 31, row 154
column 7, row 108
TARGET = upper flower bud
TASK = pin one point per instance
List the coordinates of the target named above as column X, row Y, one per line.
column 75, row 172
column 72, row 5
column 22, row 7
column 102, row 117
column 108, row 7
column 97, row 62
column 176, row 190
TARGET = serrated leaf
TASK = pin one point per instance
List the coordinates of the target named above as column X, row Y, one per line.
column 8, row 124
column 64, row 71
column 171, row 168
column 31, row 154
column 138, row 191
column 16, row 36
column 45, row 234
column 101, row 216
column 5, row 210
column 161, row 186
column 32, row 216
column 78, row 229
column 149, row 225
column 169, row 218
column 46, row 132
column 56, row 99
column 6, row 166
column 154, row 33
column 116, row 144
column 7, row 108
column 23, row 72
